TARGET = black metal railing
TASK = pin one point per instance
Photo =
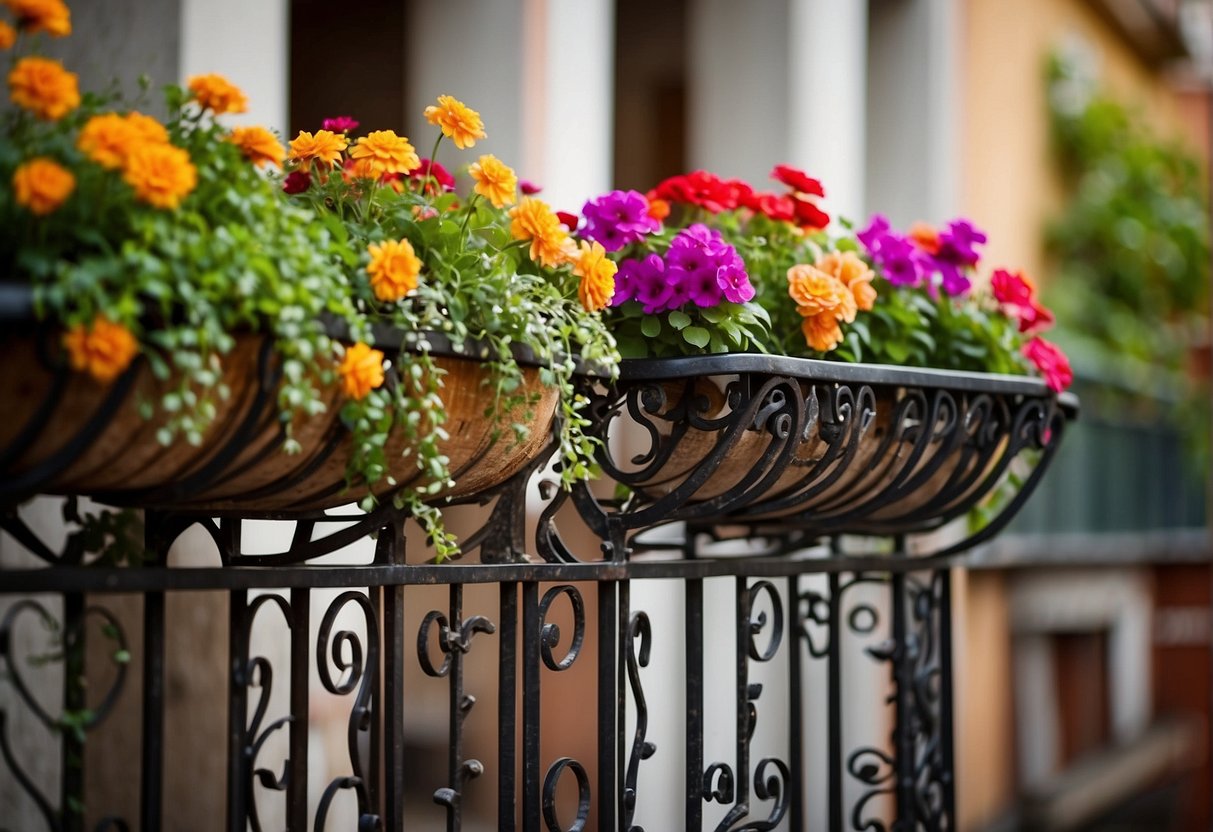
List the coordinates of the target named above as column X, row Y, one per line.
column 809, row 671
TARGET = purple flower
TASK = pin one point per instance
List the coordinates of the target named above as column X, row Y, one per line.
column 700, row 286
column 957, row 243
column 874, row 235
column 340, row 124
column 734, row 282
column 618, row 218
column 644, row 281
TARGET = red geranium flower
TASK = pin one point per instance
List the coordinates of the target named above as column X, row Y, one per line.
column 778, row 207
column 1051, row 362
column 808, row 215
column 568, row 220
column 297, row 182
column 797, row 180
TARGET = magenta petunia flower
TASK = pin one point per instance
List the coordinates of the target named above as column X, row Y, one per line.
column 618, row 218
column 958, row 243
column 528, row 187
column 340, row 124
column 735, row 283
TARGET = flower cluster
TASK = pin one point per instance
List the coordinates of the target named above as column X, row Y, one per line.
column 618, row 219
column 829, row 292
column 708, row 191
column 699, row 268
column 938, row 260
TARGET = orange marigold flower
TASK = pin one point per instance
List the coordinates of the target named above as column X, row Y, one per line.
column 42, row 185
column 109, row 139
column 258, row 145
column 495, row 180
column 105, row 349
column 325, row 146
column 854, row 273
column 50, row 16
column 385, row 152
column 394, row 268
column 361, row 370
column 8, row 35
column 659, row 209
column 459, row 122
column 925, row 236
column 532, row 219
column 161, row 174
column 821, row 331
column 44, row 87
column 216, row 93
column 815, row 292
column 597, row 273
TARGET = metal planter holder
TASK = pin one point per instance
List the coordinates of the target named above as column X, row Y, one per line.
column 794, row 455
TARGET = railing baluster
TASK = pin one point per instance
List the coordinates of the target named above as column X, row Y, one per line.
column 296, row 787
column 152, row 779
column 796, row 706
column 613, row 602
column 507, row 703
column 834, row 698
column 531, row 777
column 237, row 711
column 694, row 704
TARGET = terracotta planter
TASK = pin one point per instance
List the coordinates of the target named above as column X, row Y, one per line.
column 65, row 433
column 793, row 443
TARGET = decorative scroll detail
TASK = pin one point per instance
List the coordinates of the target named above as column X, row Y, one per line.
column 551, row 780
column 639, row 629
column 875, row 769
column 259, row 675
column 720, row 783
column 549, row 637
column 362, row 666
column 454, row 642
column 69, row 650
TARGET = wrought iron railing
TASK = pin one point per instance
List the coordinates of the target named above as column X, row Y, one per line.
column 729, row 547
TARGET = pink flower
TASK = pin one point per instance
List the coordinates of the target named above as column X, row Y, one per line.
column 1051, row 362
column 528, row 187
column 1017, row 292
column 297, row 182
column 340, row 124
column 431, row 169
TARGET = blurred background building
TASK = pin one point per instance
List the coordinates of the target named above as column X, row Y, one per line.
column 1084, row 638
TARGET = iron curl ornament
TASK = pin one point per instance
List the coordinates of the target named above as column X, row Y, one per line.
column 792, row 449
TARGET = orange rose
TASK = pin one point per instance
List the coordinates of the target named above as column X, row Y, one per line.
column 8, row 35
column 105, row 349
column 821, row 331
column 50, row 16
column 852, row 272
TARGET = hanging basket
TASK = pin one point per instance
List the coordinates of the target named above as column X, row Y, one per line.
column 782, row 443
column 66, row 433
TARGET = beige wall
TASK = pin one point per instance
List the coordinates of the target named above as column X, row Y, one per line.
column 1008, row 184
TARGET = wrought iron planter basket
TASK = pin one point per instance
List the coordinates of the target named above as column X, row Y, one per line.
column 780, row 446
column 64, row 433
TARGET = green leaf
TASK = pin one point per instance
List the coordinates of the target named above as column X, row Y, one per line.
column 696, row 336
column 650, row 325
column 679, row 319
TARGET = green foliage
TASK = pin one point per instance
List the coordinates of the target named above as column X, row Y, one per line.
column 1132, row 244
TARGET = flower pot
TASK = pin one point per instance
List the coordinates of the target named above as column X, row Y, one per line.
column 66, row 433
column 794, row 443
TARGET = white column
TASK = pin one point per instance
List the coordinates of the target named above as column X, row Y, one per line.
column 827, row 43
column 247, row 43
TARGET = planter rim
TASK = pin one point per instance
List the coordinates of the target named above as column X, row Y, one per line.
column 812, row 369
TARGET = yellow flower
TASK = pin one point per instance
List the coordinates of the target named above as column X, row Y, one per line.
column 458, row 121
column 854, row 273
column 815, row 292
column 8, row 35
column 44, row 87
column 361, row 371
column 385, row 152
column 105, row 349
column 821, row 331
column 325, row 146
column 393, row 269
column 216, row 93
column 42, row 185
column 161, row 174
column 597, row 274
column 50, row 16
column 532, row 219
column 495, row 180
column 258, row 145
